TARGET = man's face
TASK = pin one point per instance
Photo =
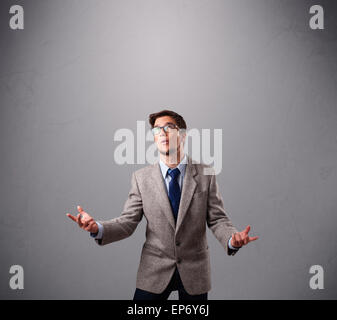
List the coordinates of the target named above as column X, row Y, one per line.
column 168, row 142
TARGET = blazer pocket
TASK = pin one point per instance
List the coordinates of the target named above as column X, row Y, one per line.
column 202, row 250
column 200, row 254
column 152, row 249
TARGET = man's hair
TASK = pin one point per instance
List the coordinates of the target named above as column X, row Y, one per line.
column 177, row 117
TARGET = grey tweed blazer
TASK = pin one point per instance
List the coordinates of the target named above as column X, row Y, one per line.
column 168, row 244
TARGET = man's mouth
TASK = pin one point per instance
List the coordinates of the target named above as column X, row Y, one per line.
column 165, row 142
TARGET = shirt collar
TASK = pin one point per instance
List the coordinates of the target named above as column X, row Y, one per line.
column 181, row 166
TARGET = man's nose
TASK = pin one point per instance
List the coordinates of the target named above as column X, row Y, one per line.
column 162, row 132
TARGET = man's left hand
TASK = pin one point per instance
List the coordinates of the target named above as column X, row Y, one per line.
column 241, row 238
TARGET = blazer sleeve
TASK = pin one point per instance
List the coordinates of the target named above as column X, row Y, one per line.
column 217, row 219
column 123, row 226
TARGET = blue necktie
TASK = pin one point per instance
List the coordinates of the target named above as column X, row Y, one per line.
column 174, row 191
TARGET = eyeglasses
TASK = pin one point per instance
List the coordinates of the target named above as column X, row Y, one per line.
column 169, row 127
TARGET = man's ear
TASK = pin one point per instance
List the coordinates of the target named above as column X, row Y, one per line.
column 182, row 133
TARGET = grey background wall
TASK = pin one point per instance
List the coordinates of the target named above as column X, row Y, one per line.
column 81, row 70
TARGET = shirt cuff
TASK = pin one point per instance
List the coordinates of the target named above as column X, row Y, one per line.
column 99, row 234
column 230, row 246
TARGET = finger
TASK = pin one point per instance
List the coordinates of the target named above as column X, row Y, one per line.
column 86, row 223
column 237, row 240
column 80, row 209
column 233, row 242
column 240, row 239
column 246, row 230
column 253, row 238
column 79, row 221
column 245, row 240
column 72, row 217
column 89, row 226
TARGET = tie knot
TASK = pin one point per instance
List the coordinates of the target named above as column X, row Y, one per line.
column 173, row 173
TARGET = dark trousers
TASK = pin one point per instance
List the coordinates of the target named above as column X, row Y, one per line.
column 175, row 284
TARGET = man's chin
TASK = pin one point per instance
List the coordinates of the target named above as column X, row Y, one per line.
column 164, row 152
column 168, row 152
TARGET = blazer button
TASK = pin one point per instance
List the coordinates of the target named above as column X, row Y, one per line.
column 178, row 260
column 177, row 243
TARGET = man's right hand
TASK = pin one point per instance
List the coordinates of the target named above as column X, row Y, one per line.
column 84, row 220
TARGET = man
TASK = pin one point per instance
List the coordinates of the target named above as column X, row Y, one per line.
column 178, row 199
